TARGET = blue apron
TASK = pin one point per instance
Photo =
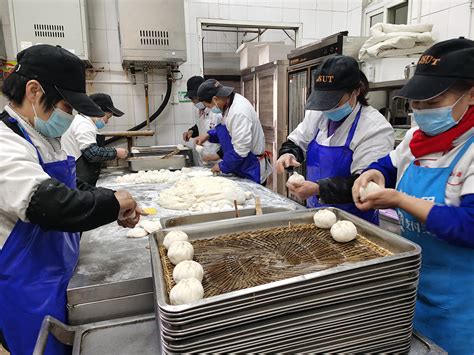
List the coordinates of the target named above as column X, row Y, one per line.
column 445, row 304
column 250, row 167
column 35, row 268
column 325, row 161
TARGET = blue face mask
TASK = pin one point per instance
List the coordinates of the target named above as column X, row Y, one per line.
column 99, row 123
column 339, row 113
column 216, row 109
column 56, row 125
column 200, row 106
column 434, row 121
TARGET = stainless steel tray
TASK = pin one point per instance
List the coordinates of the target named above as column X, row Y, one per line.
column 132, row 335
column 401, row 248
column 175, row 162
column 210, row 217
column 325, row 315
column 295, row 293
column 137, row 335
column 331, row 281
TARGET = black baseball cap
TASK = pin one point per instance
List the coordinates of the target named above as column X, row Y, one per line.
column 59, row 68
column 332, row 79
column 211, row 87
column 439, row 67
column 105, row 103
column 192, row 86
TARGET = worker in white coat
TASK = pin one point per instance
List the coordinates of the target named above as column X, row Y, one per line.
column 208, row 152
column 239, row 133
column 82, row 142
column 42, row 205
column 339, row 137
column 429, row 179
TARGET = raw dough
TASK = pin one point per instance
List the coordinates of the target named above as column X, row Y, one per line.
column 296, row 179
column 343, row 231
column 174, row 236
column 199, row 148
column 371, row 187
column 324, row 219
column 188, row 269
column 136, row 232
column 202, row 194
column 180, row 251
column 186, row 291
column 150, row 226
column 181, row 147
column 151, row 177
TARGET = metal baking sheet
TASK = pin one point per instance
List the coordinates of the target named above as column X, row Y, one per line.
column 175, row 162
column 397, row 245
column 209, row 217
column 246, row 317
column 333, row 284
column 329, row 314
column 330, row 281
column 336, row 322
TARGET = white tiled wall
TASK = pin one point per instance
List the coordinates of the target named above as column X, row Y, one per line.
column 450, row 18
column 318, row 17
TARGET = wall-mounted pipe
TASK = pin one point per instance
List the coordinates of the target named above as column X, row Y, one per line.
column 169, row 87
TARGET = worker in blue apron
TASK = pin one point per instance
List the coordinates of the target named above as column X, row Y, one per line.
column 238, row 130
column 42, row 205
column 429, row 179
column 338, row 138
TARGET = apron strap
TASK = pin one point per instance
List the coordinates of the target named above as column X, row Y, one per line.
column 461, row 153
column 353, row 129
column 13, row 124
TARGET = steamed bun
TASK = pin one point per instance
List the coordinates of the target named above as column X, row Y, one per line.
column 324, row 219
column 180, row 251
column 343, row 231
column 186, row 291
column 174, row 236
column 371, row 187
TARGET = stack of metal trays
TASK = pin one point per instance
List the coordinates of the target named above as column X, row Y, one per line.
column 356, row 306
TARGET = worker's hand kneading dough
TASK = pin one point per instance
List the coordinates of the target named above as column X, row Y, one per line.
column 364, row 180
column 129, row 214
column 201, row 139
column 215, row 169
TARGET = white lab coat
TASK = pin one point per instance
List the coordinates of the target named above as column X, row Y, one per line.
column 373, row 138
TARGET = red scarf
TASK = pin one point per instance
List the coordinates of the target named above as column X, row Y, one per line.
column 422, row 144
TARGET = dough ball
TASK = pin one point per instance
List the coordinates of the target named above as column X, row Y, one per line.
column 199, row 148
column 180, row 251
column 296, row 179
column 324, row 219
column 371, row 187
column 188, row 269
column 150, row 226
column 343, row 231
column 137, row 232
column 174, row 236
column 186, row 291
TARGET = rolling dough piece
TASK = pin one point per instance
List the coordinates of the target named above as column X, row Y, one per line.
column 180, row 251
column 199, row 148
column 343, row 231
column 150, row 226
column 188, row 269
column 296, row 178
column 324, row 219
column 186, row 291
column 371, row 187
column 174, row 236
column 137, row 232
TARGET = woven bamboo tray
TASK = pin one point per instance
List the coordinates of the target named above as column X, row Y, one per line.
column 241, row 260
